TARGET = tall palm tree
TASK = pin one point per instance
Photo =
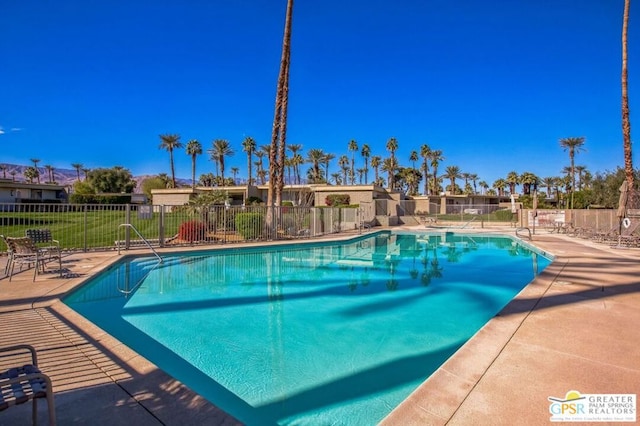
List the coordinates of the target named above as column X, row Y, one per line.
column 86, row 173
column 221, row 148
column 580, row 170
column 234, row 172
column 49, row 169
column 259, row 166
column 315, row 157
column 474, row 178
column 389, row 165
column 626, row 123
column 549, row 182
column 295, row 160
column 3, row 167
column 484, row 186
column 326, row 158
column 452, row 173
column 78, row 167
column 353, row 147
column 574, row 145
column 425, row 152
column 375, row 163
column 35, row 162
column 193, row 148
column 170, row 142
column 343, row 162
column 413, row 157
column 436, row 157
column 337, row 179
column 392, row 146
column 249, row 146
column 279, row 131
column 365, row 151
column 13, row 174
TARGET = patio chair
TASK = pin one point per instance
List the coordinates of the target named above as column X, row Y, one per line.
column 23, row 251
column 25, row 383
column 44, row 241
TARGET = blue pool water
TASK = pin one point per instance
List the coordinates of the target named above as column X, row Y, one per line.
column 323, row 333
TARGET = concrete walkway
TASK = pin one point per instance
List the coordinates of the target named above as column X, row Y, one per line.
column 574, row 328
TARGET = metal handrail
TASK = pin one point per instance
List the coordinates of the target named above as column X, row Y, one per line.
column 148, row 244
column 522, row 229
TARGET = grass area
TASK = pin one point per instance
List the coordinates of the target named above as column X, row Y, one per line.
column 86, row 230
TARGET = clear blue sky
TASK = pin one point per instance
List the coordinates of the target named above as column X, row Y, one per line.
column 494, row 85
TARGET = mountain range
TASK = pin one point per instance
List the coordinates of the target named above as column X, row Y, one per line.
column 64, row 177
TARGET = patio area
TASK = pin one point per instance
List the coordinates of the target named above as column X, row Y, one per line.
column 573, row 328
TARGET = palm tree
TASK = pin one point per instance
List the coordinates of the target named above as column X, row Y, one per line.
column 500, row 185
column 170, row 142
column 413, row 157
column 389, row 165
column 343, row 162
column 35, row 162
column 326, row 158
column 436, row 157
column 549, row 182
column 279, row 131
column 528, row 179
column 234, row 172
column 574, row 145
column 3, row 167
column 513, row 179
column 86, row 173
column 78, row 167
column 193, row 148
column 259, row 166
column 375, row 163
column 392, row 146
column 365, row 151
column 353, row 147
column 13, row 174
column 315, row 157
column 336, row 178
column 249, row 146
column 626, row 123
column 220, row 148
column 580, row 170
column 452, row 173
column 30, row 173
column 484, row 186
column 295, row 160
column 425, row 152
column 49, row 169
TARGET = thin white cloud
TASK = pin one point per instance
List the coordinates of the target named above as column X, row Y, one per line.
column 15, row 129
column 1, row 131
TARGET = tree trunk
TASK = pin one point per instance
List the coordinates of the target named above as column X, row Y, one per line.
column 626, row 124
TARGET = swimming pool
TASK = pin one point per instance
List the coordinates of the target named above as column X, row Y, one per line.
column 321, row 333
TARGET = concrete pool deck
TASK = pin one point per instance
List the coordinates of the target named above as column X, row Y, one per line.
column 574, row 328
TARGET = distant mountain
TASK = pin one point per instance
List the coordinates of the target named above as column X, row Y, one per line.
column 64, row 177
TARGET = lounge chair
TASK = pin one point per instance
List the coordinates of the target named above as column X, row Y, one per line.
column 25, row 383
column 23, row 251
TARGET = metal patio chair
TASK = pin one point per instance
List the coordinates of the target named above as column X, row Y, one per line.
column 25, row 383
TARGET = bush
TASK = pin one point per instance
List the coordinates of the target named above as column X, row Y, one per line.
column 249, row 225
column 254, row 200
column 337, row 200
column 504, row 215
column 192, row 230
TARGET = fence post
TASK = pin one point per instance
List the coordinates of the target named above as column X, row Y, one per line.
column 160, row 225
column 85, row 228
column 127, row 230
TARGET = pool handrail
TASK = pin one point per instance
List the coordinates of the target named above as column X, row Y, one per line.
column 147, row 243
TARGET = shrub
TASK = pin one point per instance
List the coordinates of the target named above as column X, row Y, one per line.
column 337, row 200
column 192, row 230
column 254, row 200
column 504, row 215
column 249, row 225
